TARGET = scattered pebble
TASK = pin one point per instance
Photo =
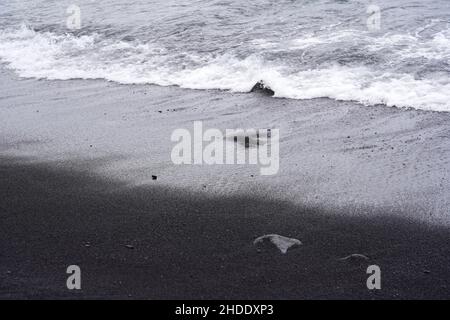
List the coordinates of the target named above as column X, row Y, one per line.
column 129, row 246
column 154, row 177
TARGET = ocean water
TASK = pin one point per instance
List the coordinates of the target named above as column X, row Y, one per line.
column 303, row 49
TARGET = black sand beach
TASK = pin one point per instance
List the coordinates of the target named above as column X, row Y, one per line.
column 76, row 167
column 193, row 246
column 135, row 137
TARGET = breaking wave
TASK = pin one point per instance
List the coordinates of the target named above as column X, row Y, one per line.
column 395, row 70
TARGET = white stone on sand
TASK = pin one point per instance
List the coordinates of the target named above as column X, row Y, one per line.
column 282, row 243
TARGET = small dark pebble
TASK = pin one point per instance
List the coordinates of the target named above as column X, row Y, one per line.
column 154, row 177
column 129, row 246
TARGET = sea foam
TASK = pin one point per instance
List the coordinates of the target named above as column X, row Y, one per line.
column 54, row 56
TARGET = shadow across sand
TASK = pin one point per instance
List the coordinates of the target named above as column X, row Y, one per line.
column 156, row 242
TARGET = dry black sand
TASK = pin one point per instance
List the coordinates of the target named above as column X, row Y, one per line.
column 156, row 243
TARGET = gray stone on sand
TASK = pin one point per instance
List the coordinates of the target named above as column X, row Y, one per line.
column 282, row 243
column 356, row 257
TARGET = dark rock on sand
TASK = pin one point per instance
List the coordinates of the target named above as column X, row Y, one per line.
column 261, row 87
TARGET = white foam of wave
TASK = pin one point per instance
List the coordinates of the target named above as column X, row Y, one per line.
column 50, row 56
column 368, row 87
column 414, row 46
